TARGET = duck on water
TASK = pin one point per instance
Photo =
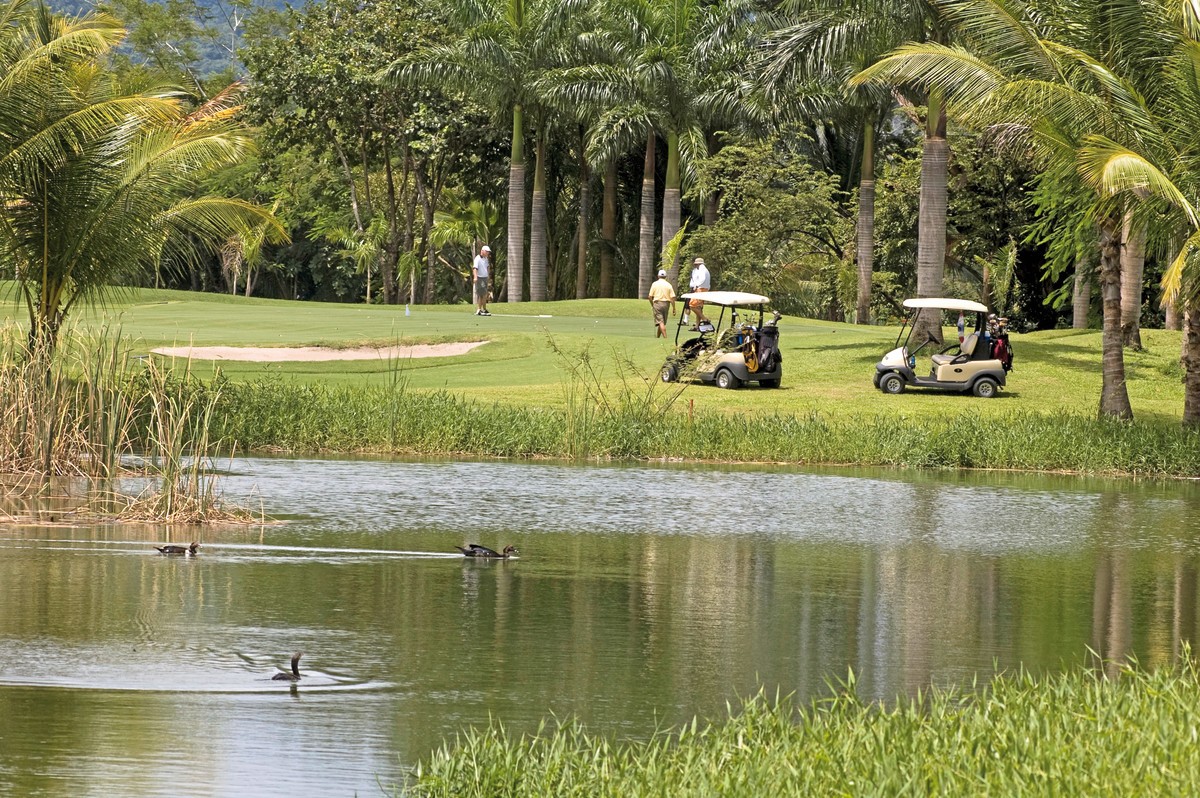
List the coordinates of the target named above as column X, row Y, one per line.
column 171, row 548
column 475, row 550
column 294, row 676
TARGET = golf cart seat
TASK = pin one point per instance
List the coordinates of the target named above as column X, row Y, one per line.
column 965, row 350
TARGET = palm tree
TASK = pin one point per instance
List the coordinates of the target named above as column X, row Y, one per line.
column 1068, row 84
column 665, row 78
column 821, row 46
column 96, row 183
column 825, row 39
column 506, row 46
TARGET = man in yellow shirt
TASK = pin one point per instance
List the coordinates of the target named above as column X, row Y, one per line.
column 662, row 296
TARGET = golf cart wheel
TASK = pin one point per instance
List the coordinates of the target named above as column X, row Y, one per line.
column 669, row 373
column 892, row 383
column 726, row 379
column 985, row 388
column 769, row 383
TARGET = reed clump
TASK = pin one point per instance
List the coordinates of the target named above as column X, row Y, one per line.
column 640, row 419
column 90, row 416
column 1068, row 734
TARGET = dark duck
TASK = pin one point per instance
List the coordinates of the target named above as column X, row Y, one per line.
column 475, row 550
column 294, row 676
column 171, row 548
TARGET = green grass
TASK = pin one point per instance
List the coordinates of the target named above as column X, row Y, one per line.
column 1071, row 734
column 579, row 379
column 828, row 366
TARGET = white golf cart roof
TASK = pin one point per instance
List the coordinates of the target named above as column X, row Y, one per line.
column 729, row 299
column 945, row 304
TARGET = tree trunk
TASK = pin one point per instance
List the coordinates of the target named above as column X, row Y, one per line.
column 1114, row 395
column 1174, row 320
column 1133, row 263
column 424, row 195
column 931, row 223
column 391, row 247
column 581, row 229
column 608, row 229
column 646, row 228
column 671, row 209
column 712, row 202
column 516, row 210
column 865, row 240
column 537, row 226
column 1081, row 295
column 1191, row 367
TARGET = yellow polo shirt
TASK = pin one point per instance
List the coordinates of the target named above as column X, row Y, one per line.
column 661, row 291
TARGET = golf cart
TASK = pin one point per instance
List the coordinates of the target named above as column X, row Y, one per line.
column 745, row 351
column 979, row 364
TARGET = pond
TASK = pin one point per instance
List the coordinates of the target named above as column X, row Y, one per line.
column 642, row 596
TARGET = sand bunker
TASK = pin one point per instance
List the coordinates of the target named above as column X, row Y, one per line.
column 271, row 354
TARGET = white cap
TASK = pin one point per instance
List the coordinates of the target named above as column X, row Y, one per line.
column 662, row 273
column 698, row 262
column 485, row 248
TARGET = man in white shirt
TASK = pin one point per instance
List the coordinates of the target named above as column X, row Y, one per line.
column 701, row 281
column 480, row 271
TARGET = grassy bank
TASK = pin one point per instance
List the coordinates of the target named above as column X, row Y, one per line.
column 1063, row 735
column 653, row 425
column 577, row 379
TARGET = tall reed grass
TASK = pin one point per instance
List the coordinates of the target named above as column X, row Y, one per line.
column 1070, row 734
column 643, row 420
column 90, row 414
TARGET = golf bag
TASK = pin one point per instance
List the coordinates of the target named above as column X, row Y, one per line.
column 1002, row 351
column 768, row 347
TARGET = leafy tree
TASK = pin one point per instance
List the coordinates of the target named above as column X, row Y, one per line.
column 780, row 222
column 315, row 87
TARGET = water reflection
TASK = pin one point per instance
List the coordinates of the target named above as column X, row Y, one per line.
column 643, row 595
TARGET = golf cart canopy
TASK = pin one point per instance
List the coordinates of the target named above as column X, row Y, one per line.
column 728, row 299
column 945, row 304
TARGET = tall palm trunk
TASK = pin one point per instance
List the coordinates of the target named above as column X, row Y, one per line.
column 712, row 202
column 671, row 207
column 865, row 239
column 931, row 222
column 585, row 202
column 516, row 209
column 1133, row 263
column 1174, row 319
column 1081, row 295
column 1191, row 367
column 646, row 254
column 1114, row 395
column 537, row 225
column 608, row 229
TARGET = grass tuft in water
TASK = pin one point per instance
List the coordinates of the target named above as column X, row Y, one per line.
column 92, row 415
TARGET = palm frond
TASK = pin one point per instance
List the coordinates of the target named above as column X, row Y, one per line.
column 1112, row 168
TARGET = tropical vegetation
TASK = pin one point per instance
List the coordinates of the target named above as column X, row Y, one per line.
column 843, row 154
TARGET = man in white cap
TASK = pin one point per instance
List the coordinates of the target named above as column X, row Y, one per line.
column 480, row 272
column 662, row 296
column 701, row 281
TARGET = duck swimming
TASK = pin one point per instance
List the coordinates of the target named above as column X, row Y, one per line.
column 294, row 676
column 173, row 549
column 475, row 550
